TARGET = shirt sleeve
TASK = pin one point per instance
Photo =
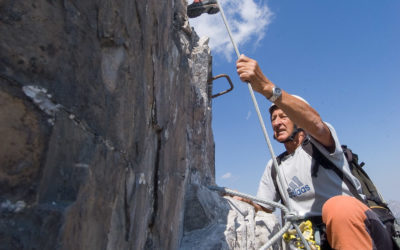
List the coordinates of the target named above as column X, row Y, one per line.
column 338, row 158
column 266, row 188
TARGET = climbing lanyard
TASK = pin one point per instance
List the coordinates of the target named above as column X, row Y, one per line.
column 284, row 197
column 306, row 228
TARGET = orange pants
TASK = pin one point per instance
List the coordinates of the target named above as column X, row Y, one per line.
column 351, row 225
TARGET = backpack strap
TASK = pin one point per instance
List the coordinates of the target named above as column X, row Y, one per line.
column 273, row 171
column 320, row 160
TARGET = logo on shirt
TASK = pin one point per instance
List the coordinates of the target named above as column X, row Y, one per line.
column 297, row 188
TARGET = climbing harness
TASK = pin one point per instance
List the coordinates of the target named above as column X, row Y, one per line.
column 225, row 91
column 290, row 215
column 306, row 228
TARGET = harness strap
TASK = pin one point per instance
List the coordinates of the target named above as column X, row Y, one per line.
column 321, row 160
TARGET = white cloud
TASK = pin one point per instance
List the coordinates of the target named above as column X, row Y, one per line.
column 248, row 115
column 227, row 176
column 247, row 20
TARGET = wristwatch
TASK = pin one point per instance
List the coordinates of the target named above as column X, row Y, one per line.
column 276, row 93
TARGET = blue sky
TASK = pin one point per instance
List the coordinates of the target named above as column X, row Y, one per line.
column 343, row 57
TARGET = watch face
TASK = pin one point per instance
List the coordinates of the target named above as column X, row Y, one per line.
column 276, row 93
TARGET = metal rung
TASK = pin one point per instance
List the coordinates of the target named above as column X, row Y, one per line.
column 225, row 91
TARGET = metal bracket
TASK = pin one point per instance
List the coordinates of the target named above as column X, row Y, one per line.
column 225, row 91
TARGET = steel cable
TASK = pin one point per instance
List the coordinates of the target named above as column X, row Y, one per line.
column 285, row 198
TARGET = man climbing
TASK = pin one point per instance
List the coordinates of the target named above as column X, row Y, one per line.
column 316, row 192
column 199, row 7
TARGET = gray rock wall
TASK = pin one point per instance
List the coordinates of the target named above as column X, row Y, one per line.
column 105, row 121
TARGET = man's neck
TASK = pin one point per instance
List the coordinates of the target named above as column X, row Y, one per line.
column 297, row 141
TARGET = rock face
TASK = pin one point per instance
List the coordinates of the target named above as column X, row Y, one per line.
column 215, row 222
column 105, row 123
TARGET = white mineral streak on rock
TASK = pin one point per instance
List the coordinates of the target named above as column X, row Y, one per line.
column 175, row 114
column 142, row 179
column 166, row 134
column 8, row 206
column 81, row 165
column 40, row 97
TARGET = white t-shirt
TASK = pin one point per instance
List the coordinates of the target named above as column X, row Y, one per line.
column 306, row 193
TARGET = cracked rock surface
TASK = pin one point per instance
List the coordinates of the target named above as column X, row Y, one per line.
column 105, row 117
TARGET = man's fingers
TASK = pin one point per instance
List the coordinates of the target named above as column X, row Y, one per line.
column 240, row 65
column 244, row 77
column 242, row 57
column 243, row 74
column 247, row 69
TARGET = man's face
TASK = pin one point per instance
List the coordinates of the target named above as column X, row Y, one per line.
column 281, row 124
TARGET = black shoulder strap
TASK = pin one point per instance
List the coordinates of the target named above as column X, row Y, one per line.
column 273, row 170
column 280, row 157
column 320, row 159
